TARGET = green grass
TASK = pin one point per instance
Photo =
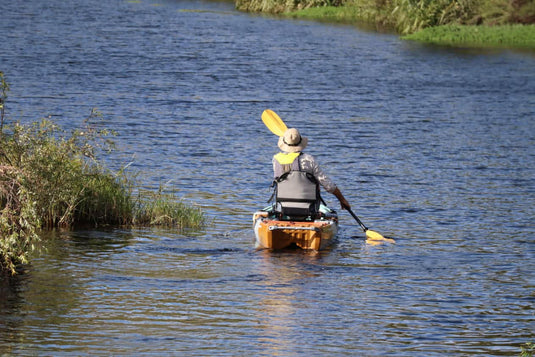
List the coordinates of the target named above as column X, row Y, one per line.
column 165, row 209
column 505, row 36
column 345, row 14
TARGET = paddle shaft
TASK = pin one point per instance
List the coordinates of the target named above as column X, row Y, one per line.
column 364, row 228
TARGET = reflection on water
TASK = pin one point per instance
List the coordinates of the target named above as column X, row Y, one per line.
column 432, row 147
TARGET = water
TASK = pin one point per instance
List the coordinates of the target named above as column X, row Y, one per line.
column 432, row 146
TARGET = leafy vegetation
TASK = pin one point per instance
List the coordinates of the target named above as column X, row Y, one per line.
column 53, row 178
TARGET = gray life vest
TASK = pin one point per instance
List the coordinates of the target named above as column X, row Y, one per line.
column 297, row 192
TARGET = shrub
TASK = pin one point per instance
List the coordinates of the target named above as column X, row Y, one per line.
column 60, row 170
column 18, row 219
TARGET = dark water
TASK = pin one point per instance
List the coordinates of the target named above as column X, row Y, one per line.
column 433, row 146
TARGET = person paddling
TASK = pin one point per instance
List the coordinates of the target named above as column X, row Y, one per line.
column 292, row 158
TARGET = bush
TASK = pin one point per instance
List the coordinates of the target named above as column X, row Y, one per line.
column 18, row 220
column 62, row 171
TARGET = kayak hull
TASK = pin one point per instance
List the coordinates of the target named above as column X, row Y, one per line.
column 271, row 233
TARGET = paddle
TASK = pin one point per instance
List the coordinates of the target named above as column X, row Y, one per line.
column 370, row 235
column 274, row 122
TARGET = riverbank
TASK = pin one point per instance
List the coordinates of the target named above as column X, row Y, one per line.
column 467, row 36
column 484, row 24
column 506, row 36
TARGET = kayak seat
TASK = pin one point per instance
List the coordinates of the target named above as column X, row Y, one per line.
column 297, row 196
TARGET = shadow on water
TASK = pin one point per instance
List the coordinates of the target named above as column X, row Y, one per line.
column 51, row 285
column 12, row 304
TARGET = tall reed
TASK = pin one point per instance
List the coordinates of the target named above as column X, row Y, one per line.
column 165, row 209
column 279, row 6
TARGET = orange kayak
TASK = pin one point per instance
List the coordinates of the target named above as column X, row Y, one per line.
column 272, row 233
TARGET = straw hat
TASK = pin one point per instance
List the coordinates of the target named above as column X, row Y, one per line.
column 292, row 141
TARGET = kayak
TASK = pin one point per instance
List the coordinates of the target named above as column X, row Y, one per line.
column 272, row 232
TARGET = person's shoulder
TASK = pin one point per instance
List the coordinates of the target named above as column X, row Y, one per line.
column 307, row 159
column 307, row 156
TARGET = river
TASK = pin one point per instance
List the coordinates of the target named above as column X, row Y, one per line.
column 430, row 145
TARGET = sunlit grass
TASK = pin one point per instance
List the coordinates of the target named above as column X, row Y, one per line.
column 165, row 209
column 345, row 14
column 506, row 36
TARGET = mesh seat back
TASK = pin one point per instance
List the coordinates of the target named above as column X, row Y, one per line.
column 297, row 194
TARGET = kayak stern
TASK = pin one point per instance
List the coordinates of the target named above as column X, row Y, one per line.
column 272, row 233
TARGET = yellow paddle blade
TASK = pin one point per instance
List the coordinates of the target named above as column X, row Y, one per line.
column 379, row 242
column 377, row 237
column 374, row 242
column 274, row 122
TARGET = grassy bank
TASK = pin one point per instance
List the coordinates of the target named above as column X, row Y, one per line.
column 475, row 23
column 53, row 178
column 505, row 36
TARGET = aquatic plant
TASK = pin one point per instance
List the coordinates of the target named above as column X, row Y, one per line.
column 527, row 349
column 165, row 209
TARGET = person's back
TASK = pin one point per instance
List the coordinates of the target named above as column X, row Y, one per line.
column 305, row 172
column 297, row 194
